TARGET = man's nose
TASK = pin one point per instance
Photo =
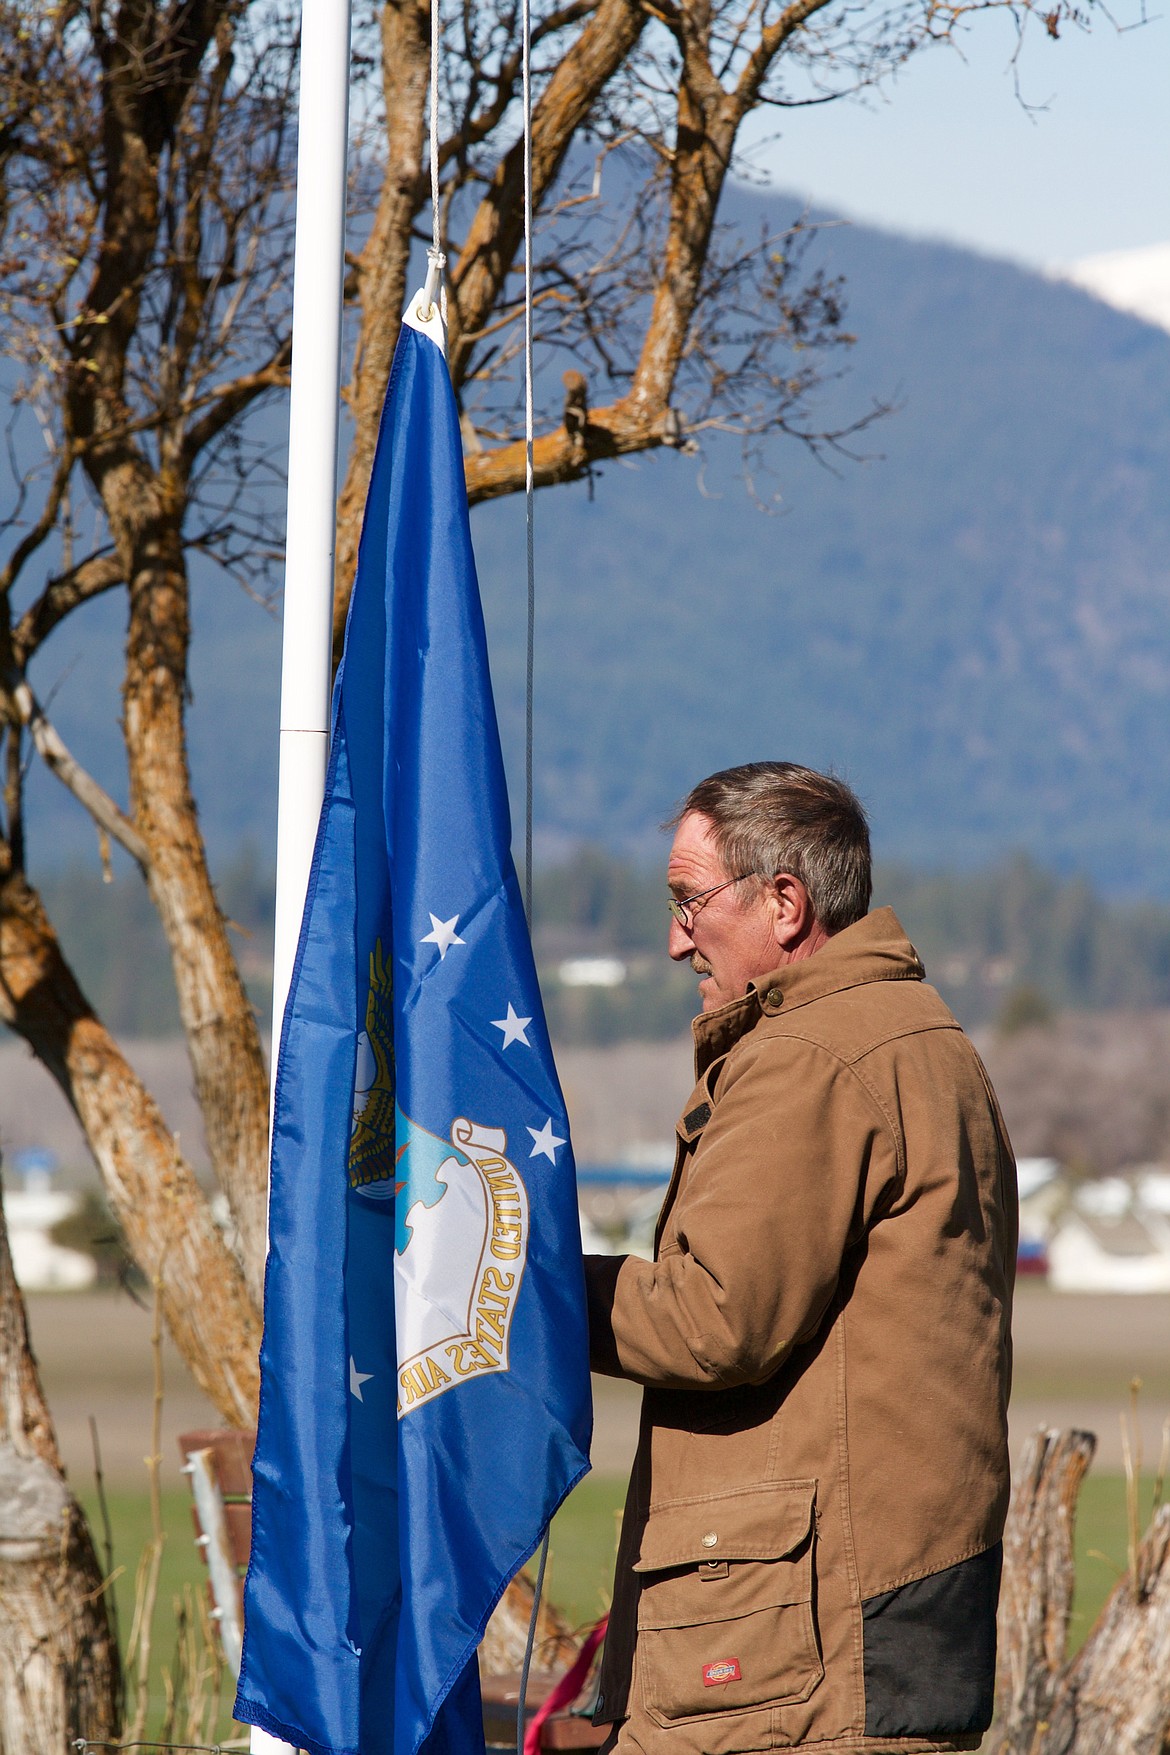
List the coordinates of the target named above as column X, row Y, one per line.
column 679, row 943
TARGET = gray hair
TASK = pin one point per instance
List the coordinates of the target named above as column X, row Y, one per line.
column 770, row 817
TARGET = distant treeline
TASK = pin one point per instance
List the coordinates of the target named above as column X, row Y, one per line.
column 1015, row 938
column 1006, row 946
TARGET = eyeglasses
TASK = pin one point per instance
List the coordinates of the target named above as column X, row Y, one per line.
column 679, row 909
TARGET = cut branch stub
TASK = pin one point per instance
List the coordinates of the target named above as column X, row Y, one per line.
column 59, row 1671
column 501, row 1652
column 1036, row 1595
column 1114, row 1699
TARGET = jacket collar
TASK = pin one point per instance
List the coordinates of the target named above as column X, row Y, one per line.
column 873, row 949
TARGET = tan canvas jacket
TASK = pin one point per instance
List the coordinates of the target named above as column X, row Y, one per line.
column 810, row 1553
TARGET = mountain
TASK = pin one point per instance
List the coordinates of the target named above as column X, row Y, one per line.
column 972, row 624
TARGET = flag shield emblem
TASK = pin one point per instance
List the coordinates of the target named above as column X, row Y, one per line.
column 461, row 1243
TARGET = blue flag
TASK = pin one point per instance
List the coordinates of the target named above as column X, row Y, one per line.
column 424, row 1402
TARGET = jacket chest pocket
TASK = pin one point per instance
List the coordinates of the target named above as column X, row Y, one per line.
column 725, row 1615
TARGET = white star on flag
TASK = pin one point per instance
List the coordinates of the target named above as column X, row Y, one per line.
column 513, row 1028
column 356, row 1379
column 545, row 1140
column 442, row 934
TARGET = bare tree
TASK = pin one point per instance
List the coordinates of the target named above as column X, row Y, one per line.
column 146, row 197
column 147, row 173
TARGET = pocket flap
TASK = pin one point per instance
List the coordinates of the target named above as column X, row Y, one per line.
column 755, row 1523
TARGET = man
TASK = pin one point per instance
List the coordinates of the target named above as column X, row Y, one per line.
column 810, row 1552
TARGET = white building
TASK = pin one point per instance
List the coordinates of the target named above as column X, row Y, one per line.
column 30, row 1213
column 1113, row 1237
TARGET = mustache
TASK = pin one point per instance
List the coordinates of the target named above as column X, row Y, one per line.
column 700, row 964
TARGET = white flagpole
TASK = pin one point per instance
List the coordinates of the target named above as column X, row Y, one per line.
column 312, row 469
column 318, row 271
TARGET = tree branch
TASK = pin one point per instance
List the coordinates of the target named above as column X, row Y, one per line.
column 45, row 524
column 229, row 401
column 149, row 66
column 772, row 40
column 567, row 453
column 60, row 597
column 55, row 754
column 709, row 119
column 478, row 127
column 190, row 287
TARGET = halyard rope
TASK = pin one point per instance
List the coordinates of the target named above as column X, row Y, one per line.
column 529, row 486
column 436, row 261
column 435, row 126
column 530, row 551
column 543, row 1561
column 435, row 265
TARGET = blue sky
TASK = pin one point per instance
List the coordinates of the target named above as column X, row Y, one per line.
column 948, row 150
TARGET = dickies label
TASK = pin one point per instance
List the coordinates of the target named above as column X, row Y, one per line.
column 726, row 1670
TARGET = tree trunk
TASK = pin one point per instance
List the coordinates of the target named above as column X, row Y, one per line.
column 60, row 1676
column 157, row 1201
column 151, row 59
column 219, row 1024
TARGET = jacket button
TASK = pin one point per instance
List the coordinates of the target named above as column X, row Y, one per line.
column 775, row 996
column 710, row 1539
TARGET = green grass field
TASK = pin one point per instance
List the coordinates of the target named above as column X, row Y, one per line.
column 1101, row 1541
column 579, row 1574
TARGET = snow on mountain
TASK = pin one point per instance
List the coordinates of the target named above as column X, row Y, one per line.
column 1136, row 281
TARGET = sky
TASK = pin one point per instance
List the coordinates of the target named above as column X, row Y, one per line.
column 949, row 151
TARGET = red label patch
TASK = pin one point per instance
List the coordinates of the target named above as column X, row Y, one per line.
column 726, row 1670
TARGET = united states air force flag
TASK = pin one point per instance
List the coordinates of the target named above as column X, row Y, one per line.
column 425, row 1392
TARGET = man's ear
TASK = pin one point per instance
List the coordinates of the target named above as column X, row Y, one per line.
column 792, row 913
